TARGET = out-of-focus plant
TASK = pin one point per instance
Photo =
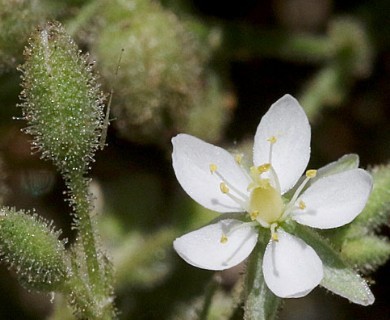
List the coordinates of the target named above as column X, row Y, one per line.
column 164, row 84
column 17, row 18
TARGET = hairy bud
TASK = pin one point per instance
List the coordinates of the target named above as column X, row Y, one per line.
column 31, row 246
column 62, row 101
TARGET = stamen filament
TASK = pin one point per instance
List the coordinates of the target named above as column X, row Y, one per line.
column 274, row 234
column 275, row 179
column 224, row 238
column 230, row 186
column 241, row 203
column 241, row 225
column 272, row 140
column 309, row 175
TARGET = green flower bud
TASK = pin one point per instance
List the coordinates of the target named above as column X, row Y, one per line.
column 31, row 246
column 62, row 101
column 161, row 77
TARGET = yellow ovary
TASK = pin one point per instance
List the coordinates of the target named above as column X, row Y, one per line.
column 267, row 203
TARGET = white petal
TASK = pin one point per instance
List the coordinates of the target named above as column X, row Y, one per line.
column 191, row 161
column 291, row 268
column 287, row 122
column 335, row 200
column 203, row 248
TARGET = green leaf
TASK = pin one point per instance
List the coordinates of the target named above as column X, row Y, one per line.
column 377, row 210
column 367, row 252
column 339, row 277
column 260, row 302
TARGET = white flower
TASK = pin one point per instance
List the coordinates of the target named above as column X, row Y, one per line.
column 217, row 180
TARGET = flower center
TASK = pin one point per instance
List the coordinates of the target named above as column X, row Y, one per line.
column 265, row 204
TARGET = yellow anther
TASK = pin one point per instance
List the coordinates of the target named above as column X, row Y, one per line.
column 272, row 139
column 302, row 205
column 213, row 167
column 238, row 158
column 254, row 215
column 223, row 239
column 274, row 234
column 311, row 173
column 224, row 188
column 264, row 167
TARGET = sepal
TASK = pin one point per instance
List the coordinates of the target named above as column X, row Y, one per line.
column 346, row 162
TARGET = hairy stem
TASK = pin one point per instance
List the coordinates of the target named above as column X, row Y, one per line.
column 81, row 203
column 260, row 302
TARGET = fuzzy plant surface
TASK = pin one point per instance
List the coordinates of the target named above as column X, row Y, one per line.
column 63, row 107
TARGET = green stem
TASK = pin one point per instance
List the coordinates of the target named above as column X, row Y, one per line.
column 243, row 42
column 80, row 199
column 210, row 291
column 328, row 87
column 84, row 16
column 260, row 302
column 92, row 295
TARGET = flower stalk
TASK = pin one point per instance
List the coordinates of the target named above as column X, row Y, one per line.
column 80, row 201
column 260, row 302
column 63, row 105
